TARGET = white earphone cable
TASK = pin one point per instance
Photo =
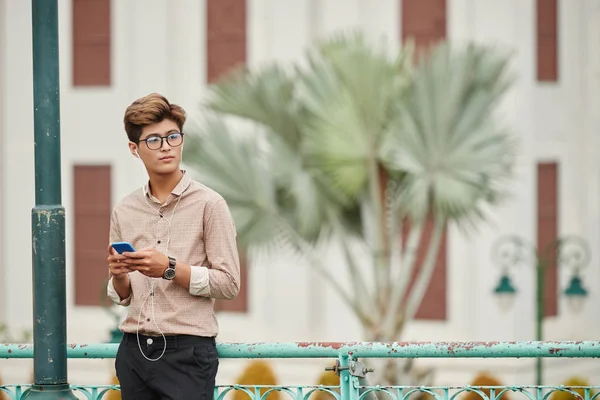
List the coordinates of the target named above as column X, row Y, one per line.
column 151, row 294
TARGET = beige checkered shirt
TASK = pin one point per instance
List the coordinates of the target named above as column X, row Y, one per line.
column 195, row 227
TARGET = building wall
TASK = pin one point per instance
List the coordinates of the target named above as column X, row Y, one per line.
column 160, row 45
column 2, row 100
column 17, row 161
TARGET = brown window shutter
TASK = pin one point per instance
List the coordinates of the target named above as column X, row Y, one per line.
column 92, row 191
column 547, row 230
column 91, row 43
column 424, row 21
column 225, row 51
column 434, row 303
column 225, row 36
column 547, row 40
column 240, row 303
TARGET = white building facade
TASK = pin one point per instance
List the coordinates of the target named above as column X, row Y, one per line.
column 164, row 46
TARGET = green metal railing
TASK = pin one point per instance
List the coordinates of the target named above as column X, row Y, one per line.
column 349, row 366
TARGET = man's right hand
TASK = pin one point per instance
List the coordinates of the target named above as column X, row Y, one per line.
column 118, row 269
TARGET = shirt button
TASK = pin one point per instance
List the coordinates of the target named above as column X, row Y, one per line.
column 148, row 321
column 149, row 341
column 161, row 215
column 158, row 242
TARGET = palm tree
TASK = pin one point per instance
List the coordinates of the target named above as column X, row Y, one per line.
column 347, row 146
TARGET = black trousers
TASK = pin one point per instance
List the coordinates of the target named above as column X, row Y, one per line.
column 186, row 370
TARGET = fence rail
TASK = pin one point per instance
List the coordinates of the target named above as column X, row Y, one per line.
column 353, row 382
column 525, row 349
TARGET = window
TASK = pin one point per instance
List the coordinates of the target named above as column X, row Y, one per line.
column 91, row 43
column 225, row 36
column 547, row 229
column 547, row 40
column 433, row 306
column 424, row 21
column 92, row 203
column 226, row 50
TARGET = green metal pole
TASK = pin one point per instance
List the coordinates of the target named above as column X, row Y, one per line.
column 48, row 215
column 345, row 384
column 540, row 280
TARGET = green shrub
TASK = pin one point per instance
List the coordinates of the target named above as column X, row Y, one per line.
column 573, row 381
column 327, row 378
column 258, row 372
column 485, row 379
column 3, row 396
column 113, row 394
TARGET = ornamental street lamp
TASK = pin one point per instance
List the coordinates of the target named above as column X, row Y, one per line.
column 571, row 252
column 505, row 291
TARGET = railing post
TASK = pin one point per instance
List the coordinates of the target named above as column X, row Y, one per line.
column 348, row 380
column 48, row 215
column 345, row 386
column 539, row 317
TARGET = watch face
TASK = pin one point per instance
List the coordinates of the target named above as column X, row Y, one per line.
column 169, row 273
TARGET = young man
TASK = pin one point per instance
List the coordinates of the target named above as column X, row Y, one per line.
column 185, row 257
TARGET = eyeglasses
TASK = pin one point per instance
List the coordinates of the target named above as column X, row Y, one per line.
column 155, row 142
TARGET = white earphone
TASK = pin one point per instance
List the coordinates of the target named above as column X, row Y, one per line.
column 151, row 293
column 138, row 154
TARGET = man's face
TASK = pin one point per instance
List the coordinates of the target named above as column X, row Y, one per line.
column 160, row 157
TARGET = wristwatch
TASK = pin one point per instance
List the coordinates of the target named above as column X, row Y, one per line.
column 169, row 273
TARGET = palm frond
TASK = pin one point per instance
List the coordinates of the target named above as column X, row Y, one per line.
column 265, row 96
column 454, row 153
column 233, row 167
column 348, row 91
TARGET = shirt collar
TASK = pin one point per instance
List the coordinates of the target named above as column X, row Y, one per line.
column 178, row 190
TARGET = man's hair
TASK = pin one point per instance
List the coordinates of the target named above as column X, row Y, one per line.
column 148, row 110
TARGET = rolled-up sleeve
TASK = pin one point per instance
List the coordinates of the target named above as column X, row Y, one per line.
column 220, row 241
column 115, row 236
column 199, row 281
column 114, row 296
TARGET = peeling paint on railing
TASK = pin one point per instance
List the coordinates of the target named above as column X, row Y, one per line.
column 346, row 354
column 525, row 349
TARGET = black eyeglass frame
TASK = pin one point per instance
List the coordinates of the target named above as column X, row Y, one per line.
column 162, row 140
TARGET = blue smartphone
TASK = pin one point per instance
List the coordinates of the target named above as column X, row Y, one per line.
column 120, row 247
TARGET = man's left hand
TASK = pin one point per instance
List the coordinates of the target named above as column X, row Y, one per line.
column 148, row 261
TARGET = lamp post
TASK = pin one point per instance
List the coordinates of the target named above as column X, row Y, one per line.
column 48, row 215
column 571, row 252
